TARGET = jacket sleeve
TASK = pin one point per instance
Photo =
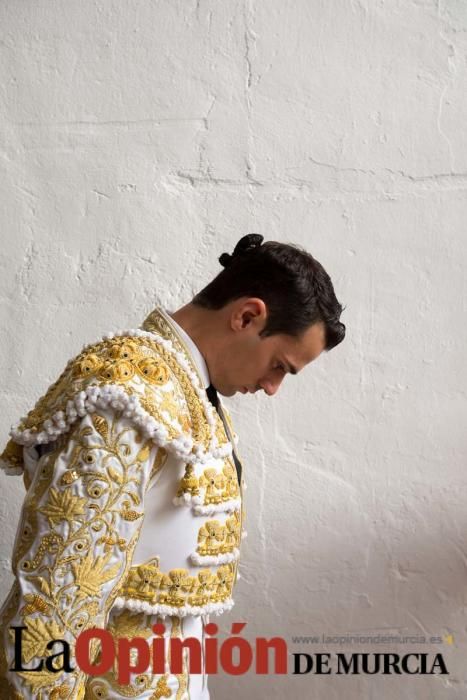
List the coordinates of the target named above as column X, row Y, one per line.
column 78, row 528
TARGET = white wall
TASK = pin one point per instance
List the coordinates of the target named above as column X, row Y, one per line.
column 138, row 141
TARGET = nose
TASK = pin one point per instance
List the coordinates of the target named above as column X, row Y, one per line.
column 270, row 386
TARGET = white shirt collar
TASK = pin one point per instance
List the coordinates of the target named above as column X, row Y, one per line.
column 195, row 352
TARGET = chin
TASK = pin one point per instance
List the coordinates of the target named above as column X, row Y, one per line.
column 227, row 392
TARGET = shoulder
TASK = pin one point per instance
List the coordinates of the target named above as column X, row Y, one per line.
column 135, row 372
column 139, row 373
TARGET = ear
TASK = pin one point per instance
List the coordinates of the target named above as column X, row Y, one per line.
column 249, row 312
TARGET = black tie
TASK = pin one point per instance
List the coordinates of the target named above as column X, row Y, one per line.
column 214, row 399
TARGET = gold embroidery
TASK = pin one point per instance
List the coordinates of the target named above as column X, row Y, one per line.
column 36, row 636
column 223, row 583
column 220, row 430
column 130, row 514
column 150, row 405
column 177, row 583
column 69, row 476
column 70, row 566
column 157, row 323
column 210, row 536
column 143, row 581
column 127, row 625
column 37, row 680
column 28, row 526
column 177, row 588
column 91, row 573
column 231, row 481
column 162, row 689
column 215, row 537
column 218, row 486
column 63, row 691
column 48, row 544
column 203, row 588
column 12, row 454
column 189, row 483
column 154, row 370
column 170, row 405
column 137, row 363
column 7, row 614
column 159, row 461
column 86, row 613
column 213, row 483
column 182, row 678
column 123, row 625
column 112, row 503
column 124, row 360
column 62, row 505
column 97, row 689
column 101, row 426
column 34, row 603
column 233, row 532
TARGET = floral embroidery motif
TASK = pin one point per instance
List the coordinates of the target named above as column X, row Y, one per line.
column 177, row 582
column 233, row 531
column 215, row 537
column 177, row 587
column 62, row 505
column 219, row 486
column 143, row 581
column 210, row 537
column 223, row 582
column 213, row 483
column 231, row 489
column 90, row 527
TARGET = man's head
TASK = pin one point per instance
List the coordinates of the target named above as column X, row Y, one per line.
column 271, row 311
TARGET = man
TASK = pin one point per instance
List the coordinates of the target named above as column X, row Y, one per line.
column 133, row 515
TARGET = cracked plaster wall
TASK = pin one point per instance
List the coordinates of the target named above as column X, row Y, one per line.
column 138, row 140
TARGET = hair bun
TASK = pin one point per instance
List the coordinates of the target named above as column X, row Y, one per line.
column 225, row 259
column 244, row 245
column 248, row 242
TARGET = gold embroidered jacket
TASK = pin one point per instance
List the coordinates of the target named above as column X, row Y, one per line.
column 132, row 499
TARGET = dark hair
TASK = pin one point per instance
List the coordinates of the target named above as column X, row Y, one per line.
column 295, row 287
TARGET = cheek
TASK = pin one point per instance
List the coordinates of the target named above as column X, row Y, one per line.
column 250, row 361
column 243, row 364
column 257, row 364
column 238, row 361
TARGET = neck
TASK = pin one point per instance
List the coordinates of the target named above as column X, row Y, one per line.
column 202, row 326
